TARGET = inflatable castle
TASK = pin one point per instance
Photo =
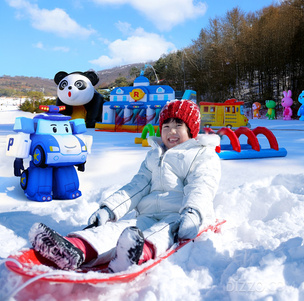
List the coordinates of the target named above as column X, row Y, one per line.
column 131, row 108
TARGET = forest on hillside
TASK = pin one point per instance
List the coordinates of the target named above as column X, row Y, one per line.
column 251, row 57
column 18, row 86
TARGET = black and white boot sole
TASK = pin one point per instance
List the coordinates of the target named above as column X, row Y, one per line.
column 51, row 245
column 128, row 250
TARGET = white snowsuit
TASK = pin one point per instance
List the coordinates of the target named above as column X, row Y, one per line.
column 167, row 182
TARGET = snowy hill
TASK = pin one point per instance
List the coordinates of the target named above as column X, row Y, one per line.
column 48, row 86
column 258, row 256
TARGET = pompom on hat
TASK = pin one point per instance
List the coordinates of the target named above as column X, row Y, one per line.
column 186, row 110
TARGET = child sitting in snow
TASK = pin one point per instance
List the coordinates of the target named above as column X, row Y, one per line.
column 172, row 193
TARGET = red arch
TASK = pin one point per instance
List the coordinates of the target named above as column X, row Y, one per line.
column 252, row 139
column 208, row 130
column 211, row 131
column 234, row 141
column 269, row 135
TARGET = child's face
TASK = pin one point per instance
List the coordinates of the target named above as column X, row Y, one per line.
column 174, row 133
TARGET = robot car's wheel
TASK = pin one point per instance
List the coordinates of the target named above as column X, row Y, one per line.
column 39, row 157
column 24, row 179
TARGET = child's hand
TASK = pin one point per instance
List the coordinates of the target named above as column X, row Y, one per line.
column 100, row 217
column 189, row 225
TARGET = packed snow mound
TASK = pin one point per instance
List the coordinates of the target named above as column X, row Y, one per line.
column 259, row 255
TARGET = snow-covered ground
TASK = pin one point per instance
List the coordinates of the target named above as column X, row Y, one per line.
column 258, row 256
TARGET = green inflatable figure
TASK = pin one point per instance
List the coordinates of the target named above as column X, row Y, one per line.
column 270, row 104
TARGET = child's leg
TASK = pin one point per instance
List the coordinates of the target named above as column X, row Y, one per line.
column 161, row 234
column 90, row 254
column 88, row 251
column 103, row 240
column 95, row 245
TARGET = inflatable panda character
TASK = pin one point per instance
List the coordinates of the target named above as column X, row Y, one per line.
column 76, row 92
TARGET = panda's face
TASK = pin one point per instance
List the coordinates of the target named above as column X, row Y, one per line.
column 75, row 90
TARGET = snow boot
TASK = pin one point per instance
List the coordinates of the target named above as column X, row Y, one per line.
column 128, row 250
column 54, row 247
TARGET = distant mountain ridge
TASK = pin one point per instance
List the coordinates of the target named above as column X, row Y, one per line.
column 108, row 76
column 49, row 88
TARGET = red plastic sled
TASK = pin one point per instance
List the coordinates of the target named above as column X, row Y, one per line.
column 29, row 263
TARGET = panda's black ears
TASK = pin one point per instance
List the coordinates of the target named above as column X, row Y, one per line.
column 59, row 76
column 92, row 76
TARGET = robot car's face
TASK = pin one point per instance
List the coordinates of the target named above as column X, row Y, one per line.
column 53, row 127
column 58, row 142
column 75, row 90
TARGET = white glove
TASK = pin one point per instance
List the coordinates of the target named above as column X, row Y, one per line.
column 190, row 223
column 100, row 217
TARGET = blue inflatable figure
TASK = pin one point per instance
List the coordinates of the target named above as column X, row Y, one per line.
column 55, row 144
column 301, row 109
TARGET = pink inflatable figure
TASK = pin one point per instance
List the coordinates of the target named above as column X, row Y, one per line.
column 287, row 103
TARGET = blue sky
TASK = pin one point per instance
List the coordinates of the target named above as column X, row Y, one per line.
column 41, row 37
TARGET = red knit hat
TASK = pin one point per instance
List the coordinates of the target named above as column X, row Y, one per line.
column 186, row 110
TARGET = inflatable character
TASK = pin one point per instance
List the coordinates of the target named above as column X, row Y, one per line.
column 301, row 109
column 76, row 92
column 270, row 104
column 287, row 103
column 55, row 145
column 256, row 110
